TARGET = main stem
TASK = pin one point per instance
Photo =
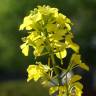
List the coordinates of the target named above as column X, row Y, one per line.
column 51, row 51
column 54, row 63
column 67, row 93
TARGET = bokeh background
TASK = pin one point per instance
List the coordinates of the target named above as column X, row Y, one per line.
column 13, row 63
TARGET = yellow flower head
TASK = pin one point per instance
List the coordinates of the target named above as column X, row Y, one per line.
column 46, row 26
column 37, row 71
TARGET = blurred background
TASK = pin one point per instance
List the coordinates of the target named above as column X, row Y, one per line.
column 13, row 63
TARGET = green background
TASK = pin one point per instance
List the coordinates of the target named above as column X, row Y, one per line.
column 13, row 63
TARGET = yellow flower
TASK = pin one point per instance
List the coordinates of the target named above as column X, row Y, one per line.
column 61, row 54
column 46, row 10
column 76, row 60
column 64, row 21
column 60, row 90
column 53, row 89
column 29, row 21
column 35, row 72
column 76, row 90
column 45, row 23
column 25, row 49
column 70, row 43
column 51, row 27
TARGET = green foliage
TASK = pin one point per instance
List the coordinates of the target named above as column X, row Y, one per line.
column 49, row 33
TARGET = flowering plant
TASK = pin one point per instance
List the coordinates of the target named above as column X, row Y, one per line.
column 50, row 35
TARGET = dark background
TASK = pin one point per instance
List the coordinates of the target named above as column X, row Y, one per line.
column 13, row 63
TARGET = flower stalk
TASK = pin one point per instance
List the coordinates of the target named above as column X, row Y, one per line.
column 49, row 33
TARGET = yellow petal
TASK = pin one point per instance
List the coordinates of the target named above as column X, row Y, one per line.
column 75, row 47
column 79, row 85
column 75, row 78
column 25, row 49
column 84, row 66
column 68, row 26
column 21, row 27
column 61, row 54
column 36, row 72
column 52, row 90
column 75, row 59
column 78, row 88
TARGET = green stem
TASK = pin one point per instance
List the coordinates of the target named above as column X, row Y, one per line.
column 51, row 51
column 67, row 93
column 61, row 58
column 54, row 63
column 56, row 70
column 68, row 70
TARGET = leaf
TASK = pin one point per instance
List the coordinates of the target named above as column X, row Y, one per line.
column 84, row 66
column 75, row 78
column 61, row 54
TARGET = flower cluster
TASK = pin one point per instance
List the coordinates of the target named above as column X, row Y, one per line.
column 74, row 87
column 37, row 71
column 49, row 33
column 47, row 28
